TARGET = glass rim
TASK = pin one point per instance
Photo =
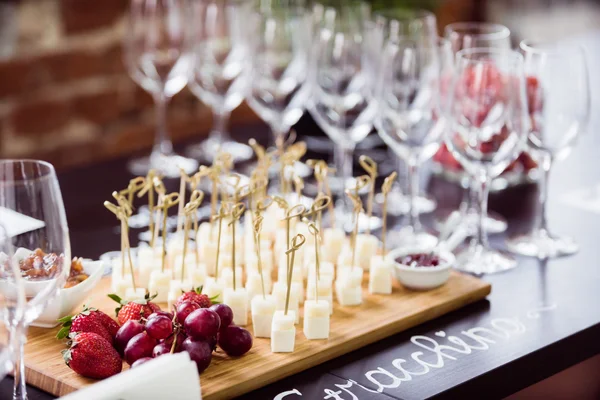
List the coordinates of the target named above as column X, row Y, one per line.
column 496, row 31
column 468, row 54
column 532, row 46
column 48, row 171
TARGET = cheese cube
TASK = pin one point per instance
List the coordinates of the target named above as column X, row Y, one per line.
column 208, row 255
column 345, row 259
column 333, row 242
column 297, row 273
column 146, row 267
column 120, row 284
column 159, row 285
column 254, row 285
column 175, row 248
column 316, row 319
column 366, row 247
column 380, row 275
column 178, row 286
column 135, row 294
column 262, row 309
column 177, row 268
column 348, row 286
column 226, row 277
column 207, row 232
column 326, row 269
column 283, row 332
column 237, row 300
column 197, row 275
column 213, row 289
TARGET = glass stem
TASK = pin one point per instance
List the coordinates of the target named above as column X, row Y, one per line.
column 219, row 132
column 162, row 142
column 20, row 387
column 344, row 163
column 546, row 164
column 413, row 182
column 484, row 181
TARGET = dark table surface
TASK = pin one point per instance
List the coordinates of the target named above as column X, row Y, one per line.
column 540, row 318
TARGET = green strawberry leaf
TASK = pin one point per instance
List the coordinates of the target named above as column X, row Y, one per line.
column 66, row 319
column 63, row 332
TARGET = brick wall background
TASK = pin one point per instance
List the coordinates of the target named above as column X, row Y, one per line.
column 65, row 95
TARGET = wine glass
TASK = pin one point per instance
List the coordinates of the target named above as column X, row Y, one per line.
column 342, row 101
column 220, row 76
column 559, row 108
column 12, row 300
column 410, row 118
column 488, row 128
column 157, row 54
column 31, row 207
column 464, row 35
column 280, row 57
column 394, row 24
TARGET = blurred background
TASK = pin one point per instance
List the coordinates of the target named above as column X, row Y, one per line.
column 65, row 95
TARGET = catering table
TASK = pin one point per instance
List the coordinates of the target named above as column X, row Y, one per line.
column 541, row 318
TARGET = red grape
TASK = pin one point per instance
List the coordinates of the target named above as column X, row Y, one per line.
column 160, row 349
column 141, row 345
column 203, row 323
column 165, row 313
column 128, row 330
column 140, row 361
column 199, row 351
column 180, row 338
column 225, row 314
column 185, row 309
column 235, row 341
column 159, row 327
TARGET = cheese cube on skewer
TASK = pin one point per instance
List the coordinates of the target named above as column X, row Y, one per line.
column 237, row 300
column 120, row 284
column 325, row 291
column 134, row 294
column 197, row 275
column 226, row 277
column 348, row 286
column 333, row 242
column 380, row 275
column 316, row 319
column 279, row 295
column 262, row 309
column 159, row 285
column 283, row 332
column 213, row 289
column 366, row 247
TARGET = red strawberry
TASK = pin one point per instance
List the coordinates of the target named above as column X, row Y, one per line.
column 88, row 320
column 92, row 356
column 197, row 297
column 134, row 310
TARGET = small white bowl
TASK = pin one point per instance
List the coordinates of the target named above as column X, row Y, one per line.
column 69, row 298
column 422, row 278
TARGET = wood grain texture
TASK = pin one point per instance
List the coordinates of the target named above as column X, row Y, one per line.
column 351, row 328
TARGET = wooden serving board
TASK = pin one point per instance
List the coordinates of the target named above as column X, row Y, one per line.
column 378, row 317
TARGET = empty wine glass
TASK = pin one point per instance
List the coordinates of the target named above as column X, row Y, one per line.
column 342, row 101
column 32, row 210
column 464, row 35
column 157, row 54
column 410, row 118
column 395, row 23
column 488, row 128
column 559, row 108
column 12, row 300
column 280, row 57
column 220, row 73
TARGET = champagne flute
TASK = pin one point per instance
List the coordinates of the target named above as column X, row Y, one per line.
column 464, row 35
column 158, row 57
column 12, row 300
column 280, row 55
column 220, row 74
column 342, row 101
column 411, row 118
column 488, row 128
column 30, row 196
column 416, row 24
column 558, row 93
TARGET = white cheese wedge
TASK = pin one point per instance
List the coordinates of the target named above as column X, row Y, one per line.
column 237, row 300
column 316, row 319
column 283, row 332
column 262, row 309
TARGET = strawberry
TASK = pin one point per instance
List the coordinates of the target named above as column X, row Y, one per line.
column 90, row 355
column 134, row 310
column 88, row 320
column 195, row 296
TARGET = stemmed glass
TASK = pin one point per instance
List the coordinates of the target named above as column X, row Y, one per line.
column 464, row 35
column 12, row 300
column 488, row 128
column 280, row 54
column 220, row 73
column 32, row 210
column 157, row 54
column 559, row 108
column 416, row 24
column 342, row 101
column 411, row 119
